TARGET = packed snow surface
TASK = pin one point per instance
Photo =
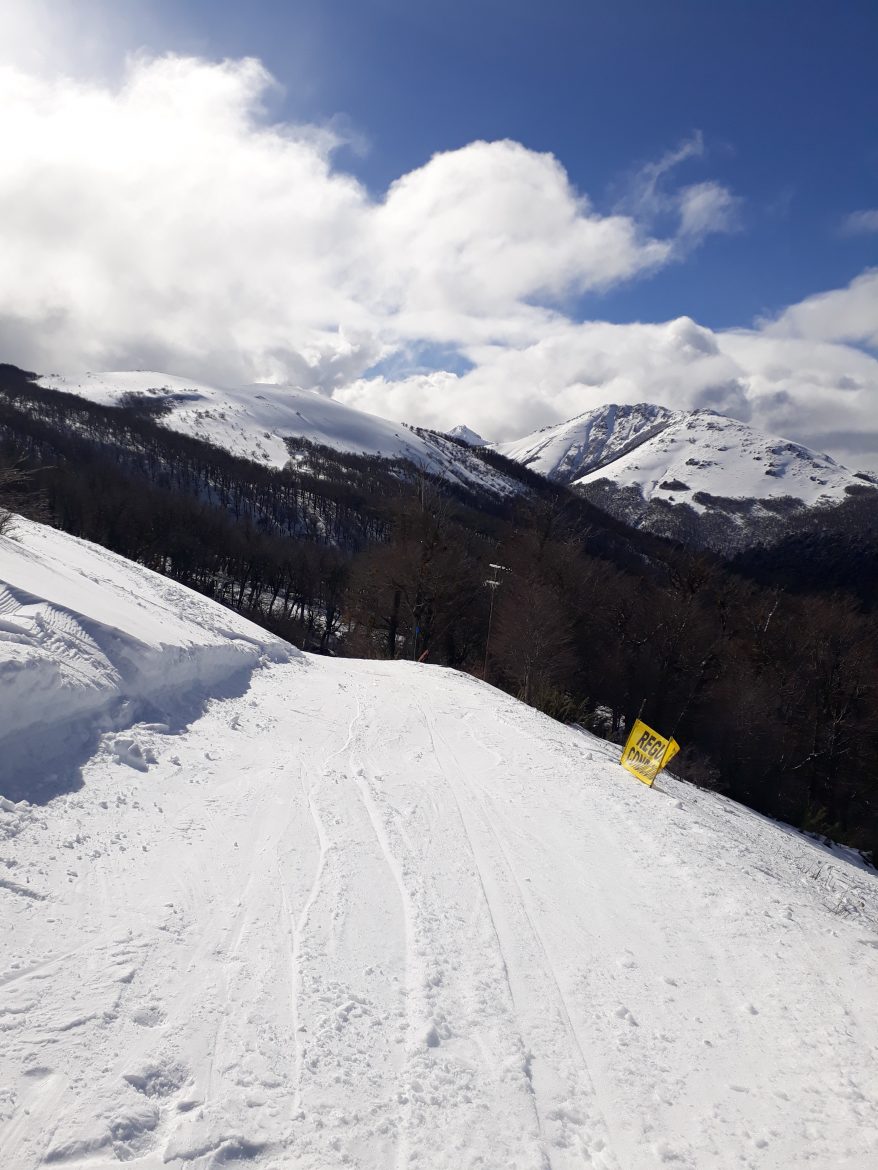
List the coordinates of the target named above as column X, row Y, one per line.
column 675, row 454
column 375, row 915
column 253, row 421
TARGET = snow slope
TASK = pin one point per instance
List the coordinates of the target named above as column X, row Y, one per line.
column 252, row 422
column 568, row 450
column 88, row 640
column 381, row 915
column 676, row 454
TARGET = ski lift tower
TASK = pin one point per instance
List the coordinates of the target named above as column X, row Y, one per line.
column 493, row 583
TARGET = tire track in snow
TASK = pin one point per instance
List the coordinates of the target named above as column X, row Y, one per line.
column 596, row 1146
column 465, row 1060
column 465, row 1065
column 538, row 1117
column 299, row 926
column 23, row 973
column 361, row 779
column 348, row 992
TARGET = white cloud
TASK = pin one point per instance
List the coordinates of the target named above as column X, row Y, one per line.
column 705, row 208
column 700, row 209
column 164, row 222
column 860, row 223
column 74, row 37
column 822, row 392
column 493, row 224
column 646, row 191
column 844, row 314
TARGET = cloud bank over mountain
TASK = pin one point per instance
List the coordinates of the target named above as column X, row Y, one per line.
column 164, row 221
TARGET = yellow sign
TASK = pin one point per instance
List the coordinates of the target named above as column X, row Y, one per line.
column 646, row 752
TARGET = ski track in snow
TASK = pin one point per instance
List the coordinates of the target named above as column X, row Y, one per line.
column 378, row 915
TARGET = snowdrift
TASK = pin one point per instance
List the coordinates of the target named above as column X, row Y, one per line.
column 366, row 915
column 89, row 642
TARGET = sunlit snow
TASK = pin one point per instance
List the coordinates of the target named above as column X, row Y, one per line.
column 379, row 914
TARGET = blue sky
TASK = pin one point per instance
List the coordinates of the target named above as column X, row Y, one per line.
column 492, row 213
column 784, row 92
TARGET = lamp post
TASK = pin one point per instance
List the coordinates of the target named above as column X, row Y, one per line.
column 493, row 584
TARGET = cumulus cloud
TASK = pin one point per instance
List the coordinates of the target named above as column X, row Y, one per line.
column 479, row 235
column 821, row 392
column 845, row 314
column 165, row 222
column 572, row 368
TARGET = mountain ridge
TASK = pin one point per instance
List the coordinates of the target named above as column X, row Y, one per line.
column 700, row 477
column 697, row 477
column 255, row 422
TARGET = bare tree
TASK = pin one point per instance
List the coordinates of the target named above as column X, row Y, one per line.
column 11, row 478
column 533, row 643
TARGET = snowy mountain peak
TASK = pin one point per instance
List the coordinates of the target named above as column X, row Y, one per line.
column 571, row 449
column 680, row 455
column 467, row 435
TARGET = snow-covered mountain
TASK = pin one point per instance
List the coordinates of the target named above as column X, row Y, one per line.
column 651, row 448
column 697, row 476
column 297, row 911
column 467, row 435
column 629, row 457
column 568, row 450
column 254, row 421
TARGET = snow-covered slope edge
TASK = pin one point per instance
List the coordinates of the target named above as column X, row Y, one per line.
column 89, row 641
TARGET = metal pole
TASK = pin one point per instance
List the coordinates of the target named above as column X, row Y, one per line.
column 493, row 584
column 490, row 620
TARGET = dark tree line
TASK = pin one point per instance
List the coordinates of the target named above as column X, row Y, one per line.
column 828, row 549
column 771, row 691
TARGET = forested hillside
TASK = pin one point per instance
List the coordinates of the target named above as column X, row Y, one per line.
column 772, row 693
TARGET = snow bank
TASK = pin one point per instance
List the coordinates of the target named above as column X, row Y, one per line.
column 90, row 642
